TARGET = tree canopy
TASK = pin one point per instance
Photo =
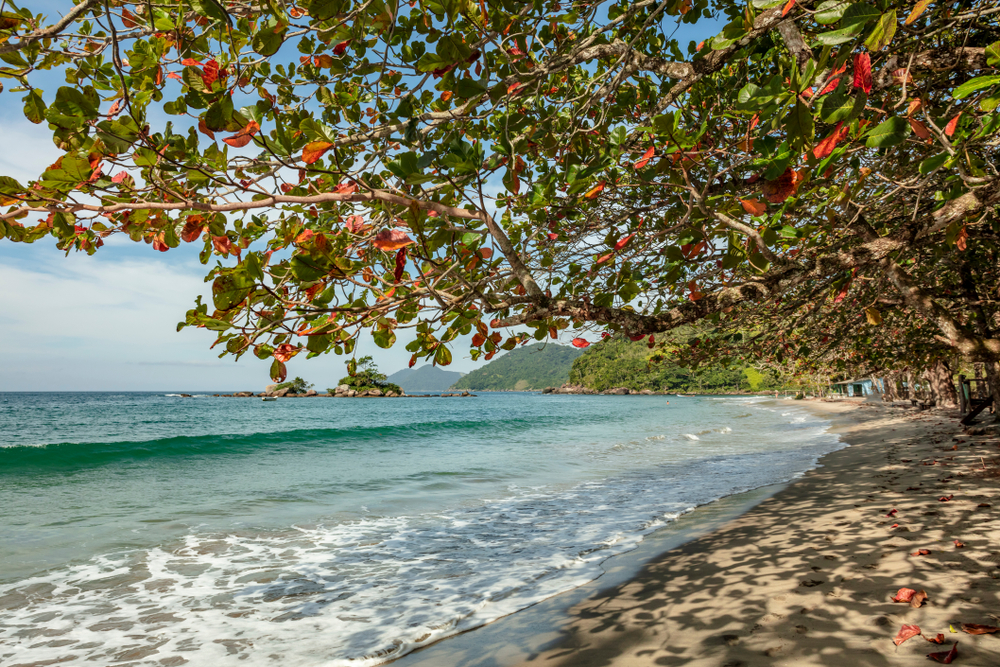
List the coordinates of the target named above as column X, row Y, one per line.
column 822, row 175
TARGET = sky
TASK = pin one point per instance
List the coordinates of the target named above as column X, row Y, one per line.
column 108, row 322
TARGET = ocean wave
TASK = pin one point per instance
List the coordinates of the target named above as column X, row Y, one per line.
column 72, row 455
column 363, row 592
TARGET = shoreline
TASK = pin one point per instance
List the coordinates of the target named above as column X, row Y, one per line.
column 793, row 574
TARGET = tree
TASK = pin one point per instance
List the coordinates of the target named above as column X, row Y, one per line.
column 812, row 162
column 363, row 374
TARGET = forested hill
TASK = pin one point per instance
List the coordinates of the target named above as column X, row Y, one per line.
column 618, row 362
column 521, row 369
column 424, row 378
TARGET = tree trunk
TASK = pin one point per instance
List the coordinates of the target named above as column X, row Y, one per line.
column 942, row 385
column 891, row 392
column 993, row 378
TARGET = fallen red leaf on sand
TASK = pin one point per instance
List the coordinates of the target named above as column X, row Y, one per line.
column 976, row 629
column 984, row 505
column 893, row 512
column 895, row 525
column 903, row 595
column 945, row 657
column 918, row 599
column 945, row 499
column 921, row 552
column 939, row 639
column 959, row 545
column 905, row 633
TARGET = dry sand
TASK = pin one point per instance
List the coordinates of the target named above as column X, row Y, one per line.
column 806, row 576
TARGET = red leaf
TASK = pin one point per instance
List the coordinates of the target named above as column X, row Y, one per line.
column 826, row 146
column 305, row 236
column 119, row 177
column 391, row 239
column 222, row 244
column 355, row 224
column 903, row 595
column 863, row 72
column 514, row 88
column 959, row 544
column 945, row 499
column 400, row 264
column 191, row 62
column 244, row 136
column 892, row 512
column 949, row 129
column 834, row 82
column 783, row 187
column 753, row 206
column 976, row 629
column 918, row 599
column 636, row 338
column 173, row 75
column 604, row 258
column 478, row 339
column 193, row 228
column 919, row 128
column 340, row 48
column 486, row 253
column 210, row 73
column 945, row 657
column 921, row 552
column 446, row 95
column 939, row 639
column 787, row 8
column 580, row 342
column 158, row 244
column 594, row 191
column 552, row 236
column 315, row 150
column 204, row 129
column 906, row 632
column 961, row 241
column 646, row 157
column 284, row 352
column 622, row 242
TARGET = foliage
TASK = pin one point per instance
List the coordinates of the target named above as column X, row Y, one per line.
column 530, row 367
column 618, row 362
column 819, row 180
column 298, row 386
column 364, row 375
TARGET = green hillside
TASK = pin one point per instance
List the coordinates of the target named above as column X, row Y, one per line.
column 618, row 362
column 521, row 369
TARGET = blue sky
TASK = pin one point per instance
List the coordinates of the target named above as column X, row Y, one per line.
column 107, row 322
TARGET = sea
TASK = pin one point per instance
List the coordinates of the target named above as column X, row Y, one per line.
column 155, row 529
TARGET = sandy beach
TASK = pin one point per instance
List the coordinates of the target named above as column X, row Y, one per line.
column 806, row 576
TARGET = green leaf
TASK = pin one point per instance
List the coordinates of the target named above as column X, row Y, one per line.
column 830, row 11
column 269, row 37
column 889, row 133
column 841, row 105
column 209, row 9
column 993, row 54
column 307, row 269
column 442, row 356
column 859, row 14
column 839, row 36
column 799, row 123
column 230, row 290
column 883, row 32
column 322, row 10
column 34, row 106
column 385, row 338
column 932, row 163
column 972, row 85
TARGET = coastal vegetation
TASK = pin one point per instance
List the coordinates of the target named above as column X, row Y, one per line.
column 817, row 182
column 531, row 367
column 618, row 362
column 363, row 375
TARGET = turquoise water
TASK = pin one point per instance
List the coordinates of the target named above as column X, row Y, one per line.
column 322, row 531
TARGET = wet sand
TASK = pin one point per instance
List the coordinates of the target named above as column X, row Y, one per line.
column 796, row 575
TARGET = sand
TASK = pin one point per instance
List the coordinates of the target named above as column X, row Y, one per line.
column 805, row 577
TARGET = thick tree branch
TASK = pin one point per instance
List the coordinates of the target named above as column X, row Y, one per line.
column 51, row 31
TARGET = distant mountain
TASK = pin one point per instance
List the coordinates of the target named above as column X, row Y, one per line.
column 521, row 369
column 425, row 378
